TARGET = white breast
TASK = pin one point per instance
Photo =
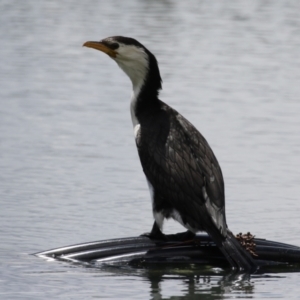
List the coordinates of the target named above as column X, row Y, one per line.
column 136, row 129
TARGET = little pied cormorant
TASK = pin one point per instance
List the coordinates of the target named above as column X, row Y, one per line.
column 183, row 174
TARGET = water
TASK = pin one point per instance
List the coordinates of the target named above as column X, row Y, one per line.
column 69, row 168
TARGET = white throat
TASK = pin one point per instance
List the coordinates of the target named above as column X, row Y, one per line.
column 134, row 62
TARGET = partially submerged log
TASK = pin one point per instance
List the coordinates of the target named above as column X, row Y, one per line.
column 142, row 251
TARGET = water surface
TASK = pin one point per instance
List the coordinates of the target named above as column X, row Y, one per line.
column 70, row 172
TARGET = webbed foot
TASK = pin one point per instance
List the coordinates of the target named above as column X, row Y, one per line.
column 155, row 234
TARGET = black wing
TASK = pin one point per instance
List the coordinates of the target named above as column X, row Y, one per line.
column 182, row 168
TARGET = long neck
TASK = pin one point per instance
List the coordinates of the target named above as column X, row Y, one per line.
column 145, row 90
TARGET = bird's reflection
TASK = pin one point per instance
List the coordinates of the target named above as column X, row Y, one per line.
column 193, row 285
column 189, row 282
column 192, row 280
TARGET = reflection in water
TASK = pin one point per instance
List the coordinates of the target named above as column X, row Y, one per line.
column 209, row 283
column 189, row 283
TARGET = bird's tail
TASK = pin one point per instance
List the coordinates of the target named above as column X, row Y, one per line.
column 237, row 256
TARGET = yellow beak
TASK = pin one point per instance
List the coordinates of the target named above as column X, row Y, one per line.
column 100, row 46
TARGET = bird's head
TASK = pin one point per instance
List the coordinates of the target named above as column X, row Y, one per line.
column 132, row 57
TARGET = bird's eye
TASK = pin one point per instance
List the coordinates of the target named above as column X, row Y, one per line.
column 114, row 46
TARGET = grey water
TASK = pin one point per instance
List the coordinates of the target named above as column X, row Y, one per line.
column 69, row 170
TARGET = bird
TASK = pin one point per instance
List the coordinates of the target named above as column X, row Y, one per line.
column 183, row 175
